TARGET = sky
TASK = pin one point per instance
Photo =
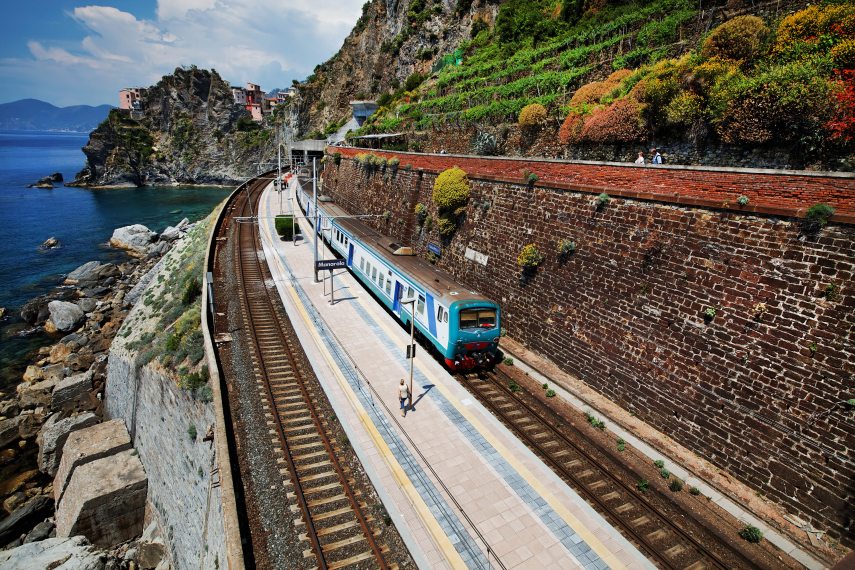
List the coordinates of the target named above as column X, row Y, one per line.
column 68, row 52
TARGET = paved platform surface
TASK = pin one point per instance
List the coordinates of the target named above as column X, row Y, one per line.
column 461, row 489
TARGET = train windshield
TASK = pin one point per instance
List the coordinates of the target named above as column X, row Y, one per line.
column 477, row 318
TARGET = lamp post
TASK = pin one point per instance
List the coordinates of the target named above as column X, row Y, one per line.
column 411, row 349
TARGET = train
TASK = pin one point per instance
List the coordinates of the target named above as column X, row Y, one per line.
column 462, row 326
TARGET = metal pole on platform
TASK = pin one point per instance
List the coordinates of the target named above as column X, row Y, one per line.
column 411, row 350
column 315, row 200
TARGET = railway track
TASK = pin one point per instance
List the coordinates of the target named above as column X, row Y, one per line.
column 337, row 532
column 599, row 481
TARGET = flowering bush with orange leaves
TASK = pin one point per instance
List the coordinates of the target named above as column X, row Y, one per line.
column 841, row 127
column 571, row 129
column 619, row 122
column 532, row 115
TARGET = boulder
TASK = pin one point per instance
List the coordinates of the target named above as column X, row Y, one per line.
column 55, row 372
column 53, row 435
column 58, row 352
column 36, row 311
column 64, row 316
column 55, row 177
column 183, row 225
column 17, row 482
column 9, row 430
column 72, row 393
column 135, row 239
column 31, row 423
column 24, row 518
column 35, row 395
column 2, row 312
column 73, row 553
column 40, row 532
column 9, row 408
column 150, row 553
column 89, row 444
column 92, row 272
column 105, row 500
column 33, row 373
column 49, row 243
column 87, row 304
column 170, row 234
column 76, row 338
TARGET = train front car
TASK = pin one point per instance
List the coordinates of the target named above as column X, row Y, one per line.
column 474, row 341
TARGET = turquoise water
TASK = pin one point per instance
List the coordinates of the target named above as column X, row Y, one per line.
column 83, row 220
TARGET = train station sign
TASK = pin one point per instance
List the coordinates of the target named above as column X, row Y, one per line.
column 330, row 264
column 434, row 249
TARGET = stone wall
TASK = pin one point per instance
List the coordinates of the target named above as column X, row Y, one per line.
column 758, row 389
column 182, row 487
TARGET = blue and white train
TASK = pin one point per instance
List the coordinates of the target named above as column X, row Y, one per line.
column 462, row 325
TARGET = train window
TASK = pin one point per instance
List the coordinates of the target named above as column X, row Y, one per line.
column 477, row 318
column 439, row 314
column 362, row 264
column 389, row 285
column 382, row 280
column 445, row 316
column 373, row 273
column 420, row 305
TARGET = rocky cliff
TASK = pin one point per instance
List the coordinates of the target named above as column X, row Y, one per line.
column 392, row 40
column 189, row 131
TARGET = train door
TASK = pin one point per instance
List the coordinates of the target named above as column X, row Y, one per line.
column 396, row 303
column 350, row 256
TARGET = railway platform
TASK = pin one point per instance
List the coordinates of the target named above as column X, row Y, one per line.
column 461, row 489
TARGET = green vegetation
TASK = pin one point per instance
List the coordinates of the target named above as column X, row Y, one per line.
column 751, row 534
column 817, row 217
column 451, row 190
column 532, row 115
column 675, row 485
column 508, row 361
column 134, row 143
column 659, row 464
column 530, row 257
column 643, row 485
column 191, row 432
column 621, row 445
column 565, row 248
column 747, row 82
column 595, row 421
column 285, row 226
column 694, row 491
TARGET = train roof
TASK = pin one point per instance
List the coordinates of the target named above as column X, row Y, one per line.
column 440, row 284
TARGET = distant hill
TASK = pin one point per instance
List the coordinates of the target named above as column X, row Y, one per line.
column 35, row 115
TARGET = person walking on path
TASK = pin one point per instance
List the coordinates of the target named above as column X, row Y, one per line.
column 657, row 158
column 640, row 159
column 403, row 394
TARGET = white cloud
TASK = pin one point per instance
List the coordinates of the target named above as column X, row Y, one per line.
column 264, row 41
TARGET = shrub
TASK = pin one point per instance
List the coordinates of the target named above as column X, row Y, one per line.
column 571, row 129
column 285, row 226
column 484, row 144
column 602, row 200
column 659, row 464
column 664, row 473
column 816, row 28
column 751, row 534
column 446, row 227
column 508, row 361
column 532, row 115
column 694, row 491
column 392, row 164
column 595, row 421
column 709, row 313
column 530, row 177
column 421, row 214
column 743, row 200
column 643, row 485
column 590, row 94
column 675, row 485
column 841, row 127
column 514, row 387
column 621, row 445
column 451, row 190
column 529, row 257
column 336, row 158
column 816, row 217
column 619, row 122
column 565, row 248
column 191, row 432
column 741, row 39
column 832, row 292
column 550, row 393
column 686, row 109
column 192, row 290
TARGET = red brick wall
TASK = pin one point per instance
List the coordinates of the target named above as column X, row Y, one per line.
column 625, row 312
column 788, row 193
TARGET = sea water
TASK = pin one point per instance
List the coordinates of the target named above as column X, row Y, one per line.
column 81, row 219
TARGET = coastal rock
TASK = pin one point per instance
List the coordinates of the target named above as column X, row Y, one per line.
column 50, row 243
column 150, row 553
column 9, row 408
column 40, row 532
column 33, row 373
column 45, row 182
column 89, row 444
column 16, row 483
column 105, row 500
column 183, row 225
column 87, row 304
column 64, row 316
column 54, row 372
column 73, row 393
column 91, row 272
column 2, row 312
column 58, row 352
column 25, row 518
column 9, row 430
column 53, row 435
column 170, row 234
column 73, row 553
column 31, row 423
column 36, row 310
column 134, row 238
column 37, row 394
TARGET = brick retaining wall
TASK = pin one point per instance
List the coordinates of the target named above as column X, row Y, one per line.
column 624, row 313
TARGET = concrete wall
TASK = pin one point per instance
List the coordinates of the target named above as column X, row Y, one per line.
column 181, row 486
column 624, row 313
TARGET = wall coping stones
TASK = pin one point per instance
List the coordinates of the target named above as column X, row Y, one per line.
column 86, row 445
column 771, row 192
column 105, row 500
